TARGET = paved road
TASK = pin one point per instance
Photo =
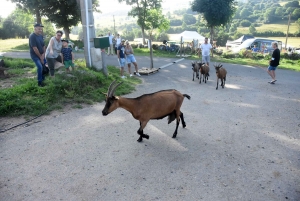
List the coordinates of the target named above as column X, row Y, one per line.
column 241, row 143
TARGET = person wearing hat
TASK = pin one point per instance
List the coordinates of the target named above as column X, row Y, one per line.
column 37, row 51
column 131, row 59
column 67, row 55
column 121, row 58
column 53, row 51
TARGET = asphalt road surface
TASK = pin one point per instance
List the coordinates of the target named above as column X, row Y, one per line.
column 241, row 143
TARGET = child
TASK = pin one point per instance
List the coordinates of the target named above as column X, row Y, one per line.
column 67, row 55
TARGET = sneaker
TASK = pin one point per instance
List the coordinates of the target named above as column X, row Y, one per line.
column 137, row 74
column 123, row 77
column 130, row 75
column 41, row 84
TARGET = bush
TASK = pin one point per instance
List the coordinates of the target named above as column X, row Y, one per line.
column 245, row 23
column 228, row 55
column 292, row 56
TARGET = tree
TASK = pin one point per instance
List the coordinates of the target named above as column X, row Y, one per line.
column 245, row 13
column 296, row 14
column 63, row 13
column 245, row 23
column 298, row 24
column 140, row 9
column 292, row 4
column 252, row 29
column 189, row 19
column 156, row 20
column 215, row 12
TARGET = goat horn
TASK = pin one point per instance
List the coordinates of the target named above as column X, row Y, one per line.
column 110, row 87
column 114, row 88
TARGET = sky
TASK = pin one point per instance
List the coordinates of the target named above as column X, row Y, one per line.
column 106, row 6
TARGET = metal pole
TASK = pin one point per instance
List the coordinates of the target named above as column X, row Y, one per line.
column 114, row 26
column 181, row 46
column 151, row 53
column 287, row 32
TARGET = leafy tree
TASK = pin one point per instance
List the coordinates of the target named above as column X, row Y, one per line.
column 252, row 29
column 245, row 23
column 189, row 19
column 140, row 9
column 176, row 22
column 270, row 15
column 156, row 20
column 296, row 14
column 292, row 4
column 298, row 24
column 245, row 13
column 215, row 12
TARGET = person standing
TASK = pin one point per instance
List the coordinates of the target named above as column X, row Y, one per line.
column 37, row 51
column 53, row 51
column 121, row 57
column 206, row 48
column 110, row 48
column 274, row 62
column 67, row 56
column 130, row 59
column 118, row 42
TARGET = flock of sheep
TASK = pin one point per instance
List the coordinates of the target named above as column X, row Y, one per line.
column 202, row 72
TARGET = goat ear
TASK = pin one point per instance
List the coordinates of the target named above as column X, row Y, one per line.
column 104, row 94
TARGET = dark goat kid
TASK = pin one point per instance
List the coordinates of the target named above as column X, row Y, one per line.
column 196, row 69
column 148, row 106
column 221, row 74
column 204, row 71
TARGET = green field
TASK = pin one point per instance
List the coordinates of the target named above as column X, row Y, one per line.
column 10, row 44
column 271, row 27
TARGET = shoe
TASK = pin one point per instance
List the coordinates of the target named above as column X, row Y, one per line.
column 130, row 75
column 272, row 82
column 137, row 74
column 41, row 84
column 123, row 77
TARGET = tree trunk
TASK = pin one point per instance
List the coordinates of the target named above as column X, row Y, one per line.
column 143, row 35
column 67, row 32
column 212, row 40
column 38, row 16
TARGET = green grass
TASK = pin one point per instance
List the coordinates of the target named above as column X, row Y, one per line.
column 85, row 86
column 271, row 27
column 156, row 53
column 12, row 44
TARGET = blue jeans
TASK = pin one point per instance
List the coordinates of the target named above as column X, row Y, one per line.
column 39, row 66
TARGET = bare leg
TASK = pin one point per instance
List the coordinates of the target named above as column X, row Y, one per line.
column 129, row 70
column 136, row 67
column 122, row 71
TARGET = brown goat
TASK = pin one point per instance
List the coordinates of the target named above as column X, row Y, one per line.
column 148, row 106
column 204, row 71
column 221, row 74
column 196, row 69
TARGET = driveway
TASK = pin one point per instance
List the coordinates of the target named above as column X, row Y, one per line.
column 241, row 143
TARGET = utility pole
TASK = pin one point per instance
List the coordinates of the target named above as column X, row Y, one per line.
column 287, row 32
column 87, row 21
column 114, row 26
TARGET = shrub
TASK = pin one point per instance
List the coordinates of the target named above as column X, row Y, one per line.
column 245, row 23
column 228, row 55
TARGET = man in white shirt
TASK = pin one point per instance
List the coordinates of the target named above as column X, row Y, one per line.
column 110, row 48
column 118, row 42
column 206, row 48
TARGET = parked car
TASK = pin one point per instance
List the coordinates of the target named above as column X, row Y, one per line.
column 265, row 45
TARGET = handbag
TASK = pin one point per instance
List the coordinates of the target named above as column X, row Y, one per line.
column 45, row 70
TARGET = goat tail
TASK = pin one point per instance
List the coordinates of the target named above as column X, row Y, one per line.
column 187, row 96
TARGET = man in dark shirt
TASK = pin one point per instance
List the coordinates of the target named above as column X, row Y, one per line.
column 274, row 62
column 121, row 57
column 37, row 51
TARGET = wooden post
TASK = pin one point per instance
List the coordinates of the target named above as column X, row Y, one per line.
column 181, row 46
column 151, row 53
column 287, row 32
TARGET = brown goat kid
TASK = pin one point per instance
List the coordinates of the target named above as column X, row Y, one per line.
column 196, row 69
column 221, row 74
column 204, row 71
column 148, row 106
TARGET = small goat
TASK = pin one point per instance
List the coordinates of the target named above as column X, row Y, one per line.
column 148, row 106
column 196, row 69
column 221, row 74
column 204, row 71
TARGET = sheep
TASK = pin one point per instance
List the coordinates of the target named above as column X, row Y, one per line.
column 195, row 68
column 148, row 106
column 221, row 74
column 204, row 71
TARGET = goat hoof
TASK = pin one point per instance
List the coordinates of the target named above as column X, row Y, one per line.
column 183, row 125
column 146, row 136
column 140, row 139
column 174, row 135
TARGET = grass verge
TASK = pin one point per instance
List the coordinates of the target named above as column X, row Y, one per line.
column 83, row 86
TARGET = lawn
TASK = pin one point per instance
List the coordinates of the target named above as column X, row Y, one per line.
column 271, row 27
column 11, row 44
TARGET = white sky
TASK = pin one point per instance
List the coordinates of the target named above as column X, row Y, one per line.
column 6, row 7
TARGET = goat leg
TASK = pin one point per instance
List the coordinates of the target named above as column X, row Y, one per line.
column 177, row 124
column 141, row 131
column 182, row 119
column 217, row 83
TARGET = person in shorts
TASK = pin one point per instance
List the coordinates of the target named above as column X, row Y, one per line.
column 121, row 57
column 67, row 55
column 206, row 48
column 131, row 59
column 274, row 62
